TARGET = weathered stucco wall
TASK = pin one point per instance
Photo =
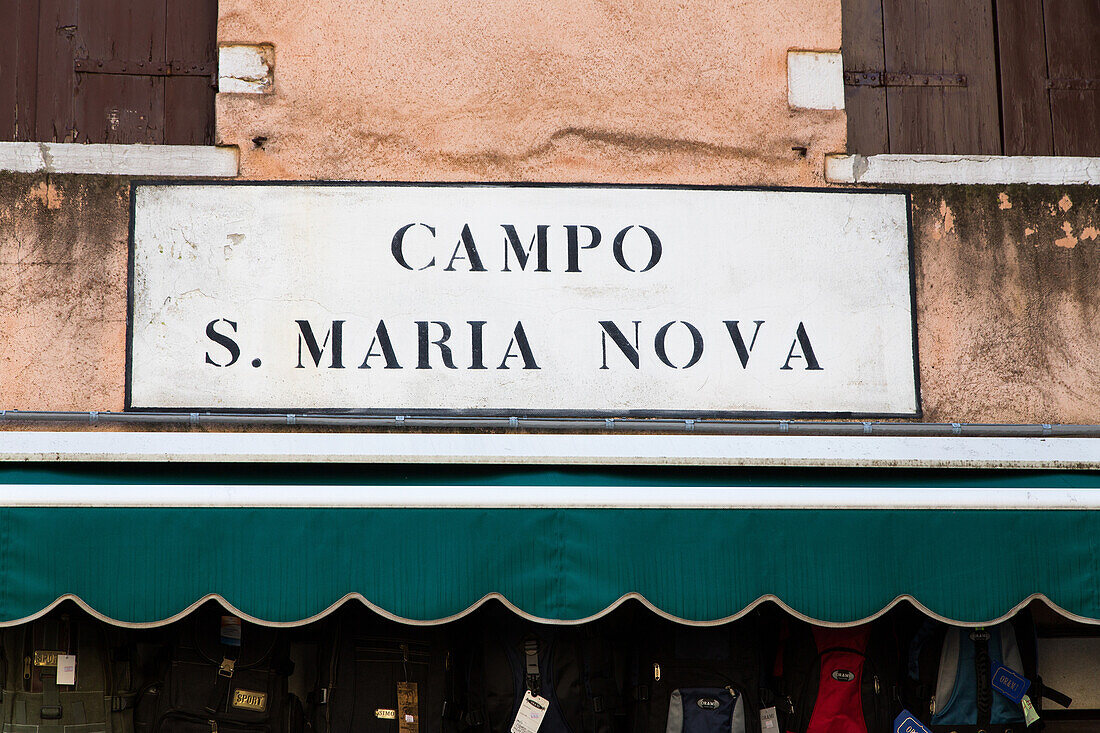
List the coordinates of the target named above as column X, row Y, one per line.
column 1008, row 293
column 63, row 251
column 565, row 90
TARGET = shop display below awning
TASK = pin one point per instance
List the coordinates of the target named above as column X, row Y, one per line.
column 149, row 565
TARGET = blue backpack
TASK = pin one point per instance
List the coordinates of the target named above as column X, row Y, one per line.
column 950, row 673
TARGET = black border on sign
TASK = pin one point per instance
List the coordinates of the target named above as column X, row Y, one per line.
column 429, row 412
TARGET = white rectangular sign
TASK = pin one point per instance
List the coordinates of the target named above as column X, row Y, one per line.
column 514, row 299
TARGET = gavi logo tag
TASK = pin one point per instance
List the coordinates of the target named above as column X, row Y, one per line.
column 1009, row 683
column 906, row 722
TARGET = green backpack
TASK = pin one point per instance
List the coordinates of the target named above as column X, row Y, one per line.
column 100, row 697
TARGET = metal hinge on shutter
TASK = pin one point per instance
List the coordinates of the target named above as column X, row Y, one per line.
column 900, row 79
column 1076, row 85
column 145, row 68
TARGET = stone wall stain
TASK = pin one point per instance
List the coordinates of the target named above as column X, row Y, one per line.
column 1008, row 316
column 63, row 253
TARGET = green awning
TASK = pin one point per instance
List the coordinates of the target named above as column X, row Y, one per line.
column 149, row 564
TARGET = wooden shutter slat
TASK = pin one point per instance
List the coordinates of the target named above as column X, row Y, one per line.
column 1073, row 52
column 1023, row 65
column 18, row 68
column 192, row 27
column 861, row 24
column 59, row 39
column 9, row 54
column 953, row 37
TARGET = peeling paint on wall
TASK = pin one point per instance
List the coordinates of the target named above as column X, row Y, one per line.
column 1069, row 241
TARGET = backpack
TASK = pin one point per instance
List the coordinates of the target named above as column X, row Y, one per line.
column 950, row 669
column 575, row 669
column 222, row 675
column 375, row 674
column 101, row 699
column 697, row 679
column 838, row 680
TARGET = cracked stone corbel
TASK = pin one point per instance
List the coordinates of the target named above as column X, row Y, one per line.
column 246, row 68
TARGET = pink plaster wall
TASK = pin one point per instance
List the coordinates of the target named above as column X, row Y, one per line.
column 669, row 91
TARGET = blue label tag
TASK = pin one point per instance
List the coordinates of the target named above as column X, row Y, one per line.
column 908, row 723
column 1010, row 684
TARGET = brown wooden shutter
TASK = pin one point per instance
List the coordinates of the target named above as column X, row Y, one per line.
column 1073, row 64
column 1047, row 55
column 938, row 76
column 108, row 71
column 862, row 51
column 1023, row 65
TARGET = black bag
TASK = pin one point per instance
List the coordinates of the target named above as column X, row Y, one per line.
column 374, row 674
column 210, row 686
column 99, row 702
column 949, row 676
column 697, row 679
column 839, row 680
column 575, row 670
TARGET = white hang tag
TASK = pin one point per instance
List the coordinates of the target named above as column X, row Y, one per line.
column 769, row 722
column 66, row 669
column 531, row 712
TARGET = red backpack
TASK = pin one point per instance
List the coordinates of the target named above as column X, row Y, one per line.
column 837, row 680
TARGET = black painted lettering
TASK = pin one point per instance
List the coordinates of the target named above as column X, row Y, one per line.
column 224, row 341
column 739, row 342
column 477, row 344
column 659, row 345
column 382, row 339
column 397, row 246
column 654, row 249
column 519, row 340
column 538, row 244
column 619, row 338
column 466, row 242
column 424, row 341
column 336, row 333
column 573, row 244
column 802, row 340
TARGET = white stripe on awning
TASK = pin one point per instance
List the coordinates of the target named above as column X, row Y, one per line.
column 536, row 497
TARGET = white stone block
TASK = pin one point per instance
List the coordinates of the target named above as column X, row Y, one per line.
column 815, row 80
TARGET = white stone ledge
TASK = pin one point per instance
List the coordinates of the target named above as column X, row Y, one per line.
column 178, row 161
column 553, row 449
column 965, row 169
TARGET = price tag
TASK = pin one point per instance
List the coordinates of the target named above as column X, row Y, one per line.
column 769, row 722
column 908, row 723
column 66, row 669
column 231, row 631
column 1030, row 716
column 1009, row 683
column 408, row 708
column 531, row 712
